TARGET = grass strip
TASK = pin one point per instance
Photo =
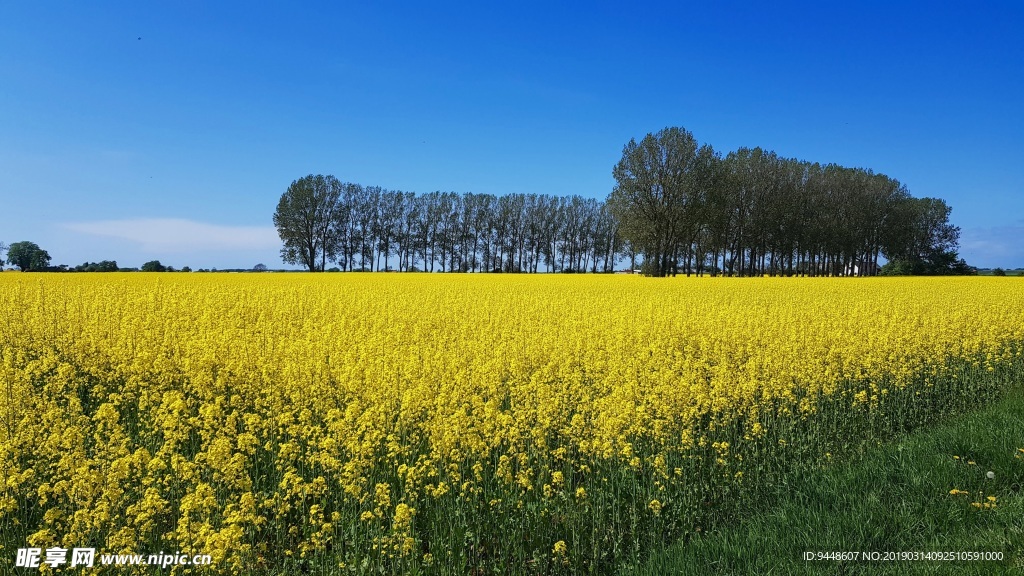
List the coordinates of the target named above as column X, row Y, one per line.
column 928, row 492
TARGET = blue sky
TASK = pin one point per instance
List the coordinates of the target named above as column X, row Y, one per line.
column 137, row 131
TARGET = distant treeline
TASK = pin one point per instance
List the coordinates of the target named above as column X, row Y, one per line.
column 322, row 220
column 29, row 257
column 111, row 266
column 678, row 206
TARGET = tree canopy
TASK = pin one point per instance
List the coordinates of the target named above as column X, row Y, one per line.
column 680, row 205
column 28, row 256
column 102, row 266
column 661, row 184
column 927, row 241
column 754, row 212
column 306, row 222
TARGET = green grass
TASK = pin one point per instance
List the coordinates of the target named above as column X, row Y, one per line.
column 1009, row 272
column 893, row 498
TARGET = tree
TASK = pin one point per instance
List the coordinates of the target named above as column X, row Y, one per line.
column 153, row 266
column 654, row 195
column 259, row 268
column 345, row 222
column 3, row 248
column 924, row 241
column 306, row 221
column 389, row 211
column 103, row 266
column 27, row 256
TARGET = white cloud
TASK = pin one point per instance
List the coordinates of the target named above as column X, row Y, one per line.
column 175, row 235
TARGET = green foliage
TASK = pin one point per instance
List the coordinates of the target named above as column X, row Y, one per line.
column 650, row 268
column 685, row 208
column 946, row 263
column 999, row 272
column 658, row 182
column 153, row 266
column 921, row 241
column 103, row 266
column 28, row 256
column 306, row 221
column 901, row 267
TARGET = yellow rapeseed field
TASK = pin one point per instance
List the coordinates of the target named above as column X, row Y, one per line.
column 446, row 423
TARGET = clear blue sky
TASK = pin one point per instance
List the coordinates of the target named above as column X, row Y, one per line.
column 140, row 130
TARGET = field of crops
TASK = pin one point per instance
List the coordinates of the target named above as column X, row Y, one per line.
column 456, row 424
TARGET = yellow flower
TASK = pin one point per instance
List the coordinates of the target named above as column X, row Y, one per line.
column 197, row 410
column 403, row 517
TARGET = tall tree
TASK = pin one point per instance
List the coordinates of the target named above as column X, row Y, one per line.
column 306, row 221
column 389, row 212
column 653, row 195
column 404, row 237
column 347, row 224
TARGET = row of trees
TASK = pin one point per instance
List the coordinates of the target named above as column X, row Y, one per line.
column 686, row 208
column 681, row 206
column 101, row 266
column 29, row 257
column 322, row 220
